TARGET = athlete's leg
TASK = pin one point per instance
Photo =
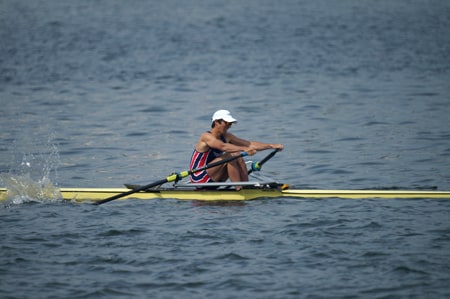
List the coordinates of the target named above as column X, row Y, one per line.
column 235, row 170
column 218, row 173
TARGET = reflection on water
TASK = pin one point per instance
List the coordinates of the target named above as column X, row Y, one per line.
column 222, row 203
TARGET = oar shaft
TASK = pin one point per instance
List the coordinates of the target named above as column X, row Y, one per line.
column 117, row 196
column 257, row 166
column 268, row 157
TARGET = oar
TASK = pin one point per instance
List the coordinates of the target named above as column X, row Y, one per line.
column 256, row 166
column 173, row 177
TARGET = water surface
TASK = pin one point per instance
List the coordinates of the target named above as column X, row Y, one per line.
column 101, row 93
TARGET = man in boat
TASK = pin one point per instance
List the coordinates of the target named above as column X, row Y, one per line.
column 218, row 144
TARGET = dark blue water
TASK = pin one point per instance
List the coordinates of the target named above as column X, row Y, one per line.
column 100, row 93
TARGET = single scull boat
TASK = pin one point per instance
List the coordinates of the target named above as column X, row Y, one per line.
column 249, row 192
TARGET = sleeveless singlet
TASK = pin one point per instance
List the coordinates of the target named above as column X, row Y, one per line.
column 199, row 160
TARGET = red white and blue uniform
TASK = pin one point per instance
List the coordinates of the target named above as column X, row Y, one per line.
column 199, row 160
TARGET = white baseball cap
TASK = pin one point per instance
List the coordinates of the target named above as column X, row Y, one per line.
column 225, row 115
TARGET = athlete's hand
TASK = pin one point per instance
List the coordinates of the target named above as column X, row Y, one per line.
column 250, row 151
column 278, row 146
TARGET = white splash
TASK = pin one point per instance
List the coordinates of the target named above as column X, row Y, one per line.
column 23, row 189
column 30, row 180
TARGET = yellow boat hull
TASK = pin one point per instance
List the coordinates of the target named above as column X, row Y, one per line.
column 96, row 194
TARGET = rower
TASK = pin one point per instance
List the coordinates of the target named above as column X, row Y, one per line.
column 218, row 144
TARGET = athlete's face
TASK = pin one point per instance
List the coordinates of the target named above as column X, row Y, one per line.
column 225, row 126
